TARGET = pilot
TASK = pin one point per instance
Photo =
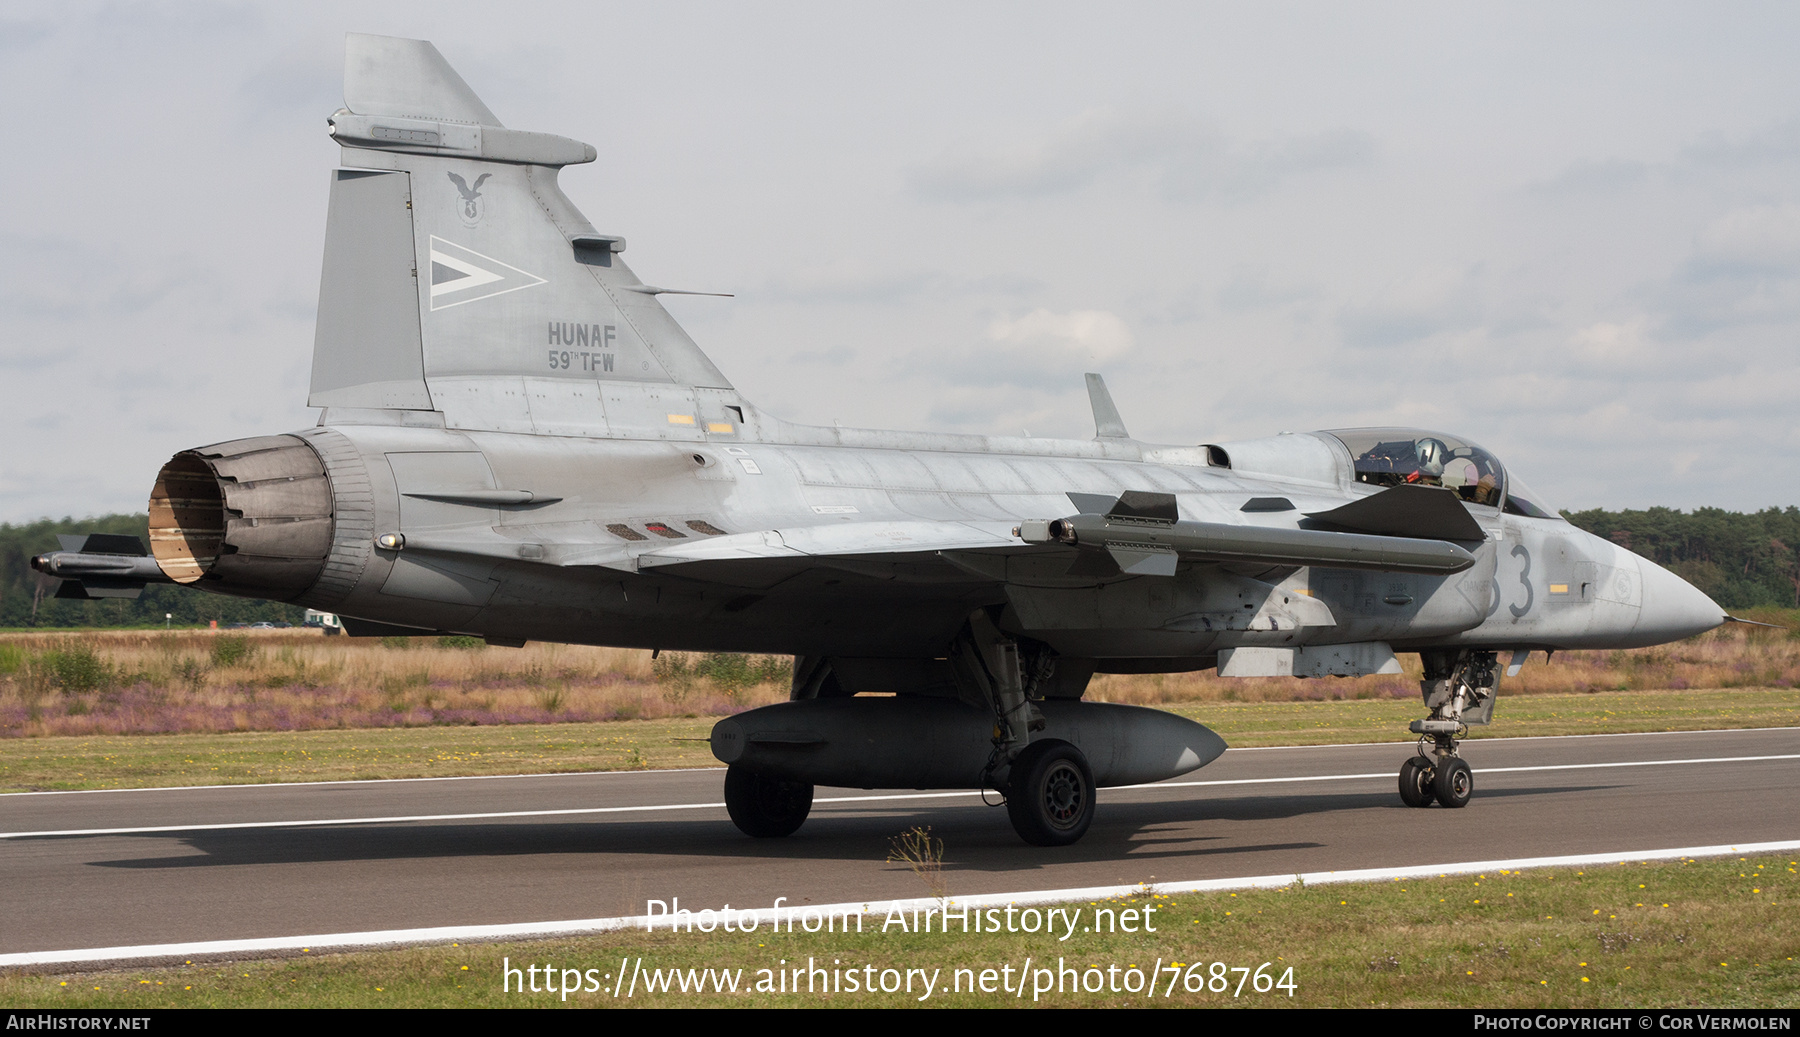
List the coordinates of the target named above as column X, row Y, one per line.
column 1461, row 475
column 1473, row 480
column 1487, row 490
column 1432, row 454
column 1429, row 456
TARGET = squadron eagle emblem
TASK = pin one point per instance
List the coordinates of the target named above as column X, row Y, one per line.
column 471, row 208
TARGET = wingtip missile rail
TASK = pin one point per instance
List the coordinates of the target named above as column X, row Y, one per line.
column 100, row 565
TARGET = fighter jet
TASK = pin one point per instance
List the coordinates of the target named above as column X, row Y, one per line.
column 517, row 441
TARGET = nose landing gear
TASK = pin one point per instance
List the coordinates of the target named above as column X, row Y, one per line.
column 1459, row 688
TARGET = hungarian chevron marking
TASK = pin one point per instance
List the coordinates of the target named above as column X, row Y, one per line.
column 461, row 275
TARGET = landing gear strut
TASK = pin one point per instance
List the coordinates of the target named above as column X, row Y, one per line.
column 1459, row 688
column 1048, row 784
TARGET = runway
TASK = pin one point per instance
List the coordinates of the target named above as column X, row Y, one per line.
column 110, row 869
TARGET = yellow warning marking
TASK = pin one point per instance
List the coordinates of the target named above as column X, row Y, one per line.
column 681, row 419
column 719, row 426
column 1304, row 590
column 1559, row 588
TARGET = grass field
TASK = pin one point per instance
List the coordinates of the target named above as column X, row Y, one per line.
column 209, row 682
column 124, row 709
column 1697, row 933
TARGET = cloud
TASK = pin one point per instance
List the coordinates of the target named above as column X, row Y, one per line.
column 1071, row 157
column 305, row 81
column 202, row 21
column 850, row 284
column 1588, row 177
column 1714, row 245
column 1093, row 335
column 1255, row 288
column 1022, row 360
column 1701, row 161
column 54, row 281
column 858, row 284
column 831, row 356
column 1762, row 239
column 1608, row 343
column 1779, row 143
column 1743, row 270
column 1430, row 302
column 21, row 33
column 1186, row 157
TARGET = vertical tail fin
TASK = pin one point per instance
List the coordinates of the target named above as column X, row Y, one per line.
column 459, row 278
column 1107, row 423
column 384, row 75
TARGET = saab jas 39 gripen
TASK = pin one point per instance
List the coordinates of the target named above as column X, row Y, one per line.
column 518, row 442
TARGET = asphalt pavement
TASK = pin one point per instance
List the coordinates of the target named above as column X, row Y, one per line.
column 110, row 869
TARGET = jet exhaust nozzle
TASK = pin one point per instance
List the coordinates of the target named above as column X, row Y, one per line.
column 251, row 517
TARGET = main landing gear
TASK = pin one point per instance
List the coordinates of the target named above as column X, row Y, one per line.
column 1459, row 688
column 763, row 807
column 1048, row 784
column 1050, row 797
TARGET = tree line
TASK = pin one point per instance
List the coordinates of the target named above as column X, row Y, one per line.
column 1740, row 560
column 28, row 597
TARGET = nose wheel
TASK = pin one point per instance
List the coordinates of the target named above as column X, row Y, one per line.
column 1415, row 782
column 1453, row 783
column 1448, row 781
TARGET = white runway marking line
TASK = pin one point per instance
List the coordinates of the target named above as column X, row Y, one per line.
column 576, row 811
column 540, row 930
column 373, row 781
column 1483, row 770
column 1501, row 739
column 702, row 770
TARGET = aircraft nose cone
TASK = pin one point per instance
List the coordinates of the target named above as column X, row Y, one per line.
column 1672, row 607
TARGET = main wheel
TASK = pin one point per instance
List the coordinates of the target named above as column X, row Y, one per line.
column 1050, row 798
column 1415, row 782
column 1454, row 783
column 765, row 807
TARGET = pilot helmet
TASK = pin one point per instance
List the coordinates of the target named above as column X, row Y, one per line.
column 1432, row 454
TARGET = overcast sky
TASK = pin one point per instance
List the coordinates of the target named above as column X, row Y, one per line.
column 1570, row 233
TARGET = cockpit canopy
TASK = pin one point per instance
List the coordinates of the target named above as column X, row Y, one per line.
column 1392, row 456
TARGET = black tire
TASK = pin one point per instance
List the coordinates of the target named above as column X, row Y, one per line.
column 1050, row 798
column 1454, row 783
column 1415, row 782
column 763, row 807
